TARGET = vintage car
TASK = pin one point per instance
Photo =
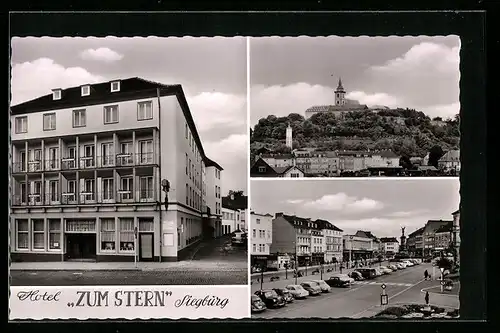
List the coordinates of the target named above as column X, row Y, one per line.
column 257, row 305
column 271, row 298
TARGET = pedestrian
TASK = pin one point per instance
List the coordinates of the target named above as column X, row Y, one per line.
column 427, row 298
column 426, row 275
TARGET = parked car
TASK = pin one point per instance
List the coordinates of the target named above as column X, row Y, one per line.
column 297, row 291
column 356, row 276
column 392, row 267
column 401, row 265
column 256, row 269
column 271, row 298
column 239, row 238
column 408, row 263
column 311, row 287
column 385, row 270
column 323, row 285
column 339, row 281
column 367, row 273
column 257, row 305
column 285, row 294
column 378, row 272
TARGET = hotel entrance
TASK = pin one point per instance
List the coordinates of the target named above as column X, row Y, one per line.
column 80, row 237
column 80, row 246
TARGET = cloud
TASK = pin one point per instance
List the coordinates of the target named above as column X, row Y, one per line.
column 345, row 203
column 231, row 154
column 444, row 110
column 294, row 201
column 216, row 110
column 374, row 99
column 101, row 54
column 425, row 58
column 407, row 213
column 28, row 76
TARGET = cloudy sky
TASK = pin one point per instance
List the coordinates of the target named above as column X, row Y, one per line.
column 291, row 74
column 212, row 72
column 381, row 206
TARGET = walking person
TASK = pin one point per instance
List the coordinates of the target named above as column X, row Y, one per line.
column 426, row 275
column 426, row 298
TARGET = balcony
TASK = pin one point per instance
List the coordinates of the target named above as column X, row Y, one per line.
column 86, row 162
column 85, row 198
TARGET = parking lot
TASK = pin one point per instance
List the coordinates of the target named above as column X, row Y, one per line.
column 361, row 299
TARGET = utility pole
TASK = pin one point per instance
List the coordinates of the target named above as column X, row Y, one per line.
column 296, row 265
column 261, row 276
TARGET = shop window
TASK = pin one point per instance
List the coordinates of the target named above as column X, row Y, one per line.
column 54, row 234
column 108, row 236
column 38, row 234
column 22, row 234
column 127, row 235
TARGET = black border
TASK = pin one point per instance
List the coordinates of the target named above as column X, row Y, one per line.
column 470, row 26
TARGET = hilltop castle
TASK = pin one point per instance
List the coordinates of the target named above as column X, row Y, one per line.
column 342, row 105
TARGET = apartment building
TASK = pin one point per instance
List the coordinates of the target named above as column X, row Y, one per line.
column 359, row 246
column 261, row 238
column 429, row 236
column 455, row 235
column 237, row 202
column 442, row 237
column 415, row 242
column 332, row 240
column 212, row 212
column 92, row 167
column 230, row 220
column 390, row 245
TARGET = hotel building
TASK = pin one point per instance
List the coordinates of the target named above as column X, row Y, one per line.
column 92, row 167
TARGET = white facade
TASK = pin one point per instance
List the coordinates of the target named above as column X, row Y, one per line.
column 213, row 197
column 230, row 220
column 391, row 247
column 293, row 172
column 261, row 235
column 289, row 137
column 333, row 245
column 95, row 171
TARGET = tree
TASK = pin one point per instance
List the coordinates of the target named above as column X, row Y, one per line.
column 238, row 193
column 435, row 153
column 444, row 263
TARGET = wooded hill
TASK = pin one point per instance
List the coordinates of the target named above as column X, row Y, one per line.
column 406, row 131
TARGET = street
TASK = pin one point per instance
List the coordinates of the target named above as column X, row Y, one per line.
column 362, row 299
column 207, row 265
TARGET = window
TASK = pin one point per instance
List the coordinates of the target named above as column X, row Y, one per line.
column 88, row 192
column 262, row 169
column 21, row 124
column 54, row 190
column 146, row 224
column 187, row 194
column 126, row 234
column 186, row 131
column 111, row 114
column 22, row 234
column 146, row 151
column 146, row 187
column 88, row 155
column 53, row 158
column 125, row 157
column 79, row 118
column 126, row 189
column 187, row 165
column 108, row 236
column 254, row 247
column 54, row 234
column 144, row 110
column 254, row 233
column 56, row 94
column 115, row 86
column 108, row 189
column 190, row 167
column 107, row 153
column 257, row 221
column 86, row 90
column 49, row 121
column 38, row 234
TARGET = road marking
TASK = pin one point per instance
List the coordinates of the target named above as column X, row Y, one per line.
column 399, row 284
column 402, row 291
column 33, row 273
column 77, row 273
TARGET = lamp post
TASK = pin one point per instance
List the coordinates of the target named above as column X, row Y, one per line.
column 350, row 250
column 296, row 264
column 321, row 271
column 261, row 275
column 442, row 278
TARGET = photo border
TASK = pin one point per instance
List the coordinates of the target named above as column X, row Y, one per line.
column 469, row 26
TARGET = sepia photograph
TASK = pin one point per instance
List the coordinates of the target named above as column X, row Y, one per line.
column 128, row 161
column 354, row 106
column 383, row 249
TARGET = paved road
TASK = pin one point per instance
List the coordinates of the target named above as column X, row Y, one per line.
column 208, row 265
column 360, row 300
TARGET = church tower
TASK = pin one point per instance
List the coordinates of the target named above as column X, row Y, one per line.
column 340, row 94
column 289, row 137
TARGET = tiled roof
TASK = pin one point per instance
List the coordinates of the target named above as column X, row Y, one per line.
column 388, row 154
column 451, row 156
column 99, row 93
column 417, row 232
column 445, row 228
column 210, row 163
column 327, row 225
column 366, row 234
column 330, row 154
column 433, row 225
column 389, row 240
column 302, row 222
column 282, row 170
column 277, row 156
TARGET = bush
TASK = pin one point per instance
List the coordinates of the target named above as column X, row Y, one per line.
column 454, row 313
column 395, row 311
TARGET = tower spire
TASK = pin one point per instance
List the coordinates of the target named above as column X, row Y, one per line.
column 340, row 87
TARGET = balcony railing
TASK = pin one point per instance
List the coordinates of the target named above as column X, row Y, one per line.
column 84, row 198
column 85, row 162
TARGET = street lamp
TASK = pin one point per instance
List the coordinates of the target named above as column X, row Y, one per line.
column 296, row 264
column 350, row 250
column 321, row 267
column 261, row 275
column 442, row 278
column 165, row 186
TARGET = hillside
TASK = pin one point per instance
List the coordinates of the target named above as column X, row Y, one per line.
column 407, row 132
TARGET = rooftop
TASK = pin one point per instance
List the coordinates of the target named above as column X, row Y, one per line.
column 389, row 240
column 450, row 156
column 235, row 202
column 338, row 108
